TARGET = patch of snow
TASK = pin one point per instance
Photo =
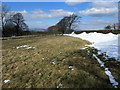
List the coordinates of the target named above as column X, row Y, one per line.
column 59, row 85
column 108, row 73
column 73, row 33
column 70, row 67
column 105, row 42
column 40, row 74
column 53, row 63
column 28, row 47
column 100, row 62
column 95, row 37
column 111, row 78
column 25, row 46
column 17, row 47
column 6, row 81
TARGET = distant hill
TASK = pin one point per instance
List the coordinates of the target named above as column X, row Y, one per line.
column 38, row 30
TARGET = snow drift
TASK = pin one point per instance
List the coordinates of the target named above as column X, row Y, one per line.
column 105, row 42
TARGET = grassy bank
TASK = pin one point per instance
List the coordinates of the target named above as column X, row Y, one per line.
column 54, row 62
column 112, row 64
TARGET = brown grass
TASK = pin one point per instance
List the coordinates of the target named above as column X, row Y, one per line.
column 34, row 69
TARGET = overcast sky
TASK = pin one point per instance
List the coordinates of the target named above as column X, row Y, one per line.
column 95, row 15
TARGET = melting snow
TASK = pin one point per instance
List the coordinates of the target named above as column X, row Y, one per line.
column 52, row 62
column 6, row 81
column 59, row 85
column 111, row 78
column 107, row 72
column 100, row 62
column 105, row 42
column 25, row 46
column 71, row 67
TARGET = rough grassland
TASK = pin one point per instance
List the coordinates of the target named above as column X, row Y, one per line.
column 34, row 68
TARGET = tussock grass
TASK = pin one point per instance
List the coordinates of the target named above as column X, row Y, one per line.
column 27, row 68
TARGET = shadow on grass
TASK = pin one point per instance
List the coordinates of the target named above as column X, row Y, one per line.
column 87, row 72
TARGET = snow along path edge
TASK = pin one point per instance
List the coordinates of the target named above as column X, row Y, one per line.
column 108, row 73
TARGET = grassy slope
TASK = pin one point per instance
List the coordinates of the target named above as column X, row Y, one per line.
column 32, row 68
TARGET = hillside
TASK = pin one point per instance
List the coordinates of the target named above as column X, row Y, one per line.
column 50, row 62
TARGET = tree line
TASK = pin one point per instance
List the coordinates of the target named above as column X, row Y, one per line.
column 114, row 26
column 13, row 24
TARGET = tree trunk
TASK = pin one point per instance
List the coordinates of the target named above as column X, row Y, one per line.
column 17, row 29
column 114, row 27
column 3, row 28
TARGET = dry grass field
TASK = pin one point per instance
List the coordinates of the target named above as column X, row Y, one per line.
column 50, row 62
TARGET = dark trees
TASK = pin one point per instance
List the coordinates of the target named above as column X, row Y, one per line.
column 12, row 24
column 114, row 26
column 18, row 22
column 4, row 12
column 15, row 25
column 65, row 25
column 73, row 19
column 108, row 27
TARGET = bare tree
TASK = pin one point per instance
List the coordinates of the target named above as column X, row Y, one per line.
column 114, row 26
column 18, row 21
column 24, row 27
column 68, row 23
column 11, row 19
column 15, row 25
column 73, row 19
column 4, row 12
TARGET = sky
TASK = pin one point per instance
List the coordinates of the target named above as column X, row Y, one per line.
column 95, row 15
